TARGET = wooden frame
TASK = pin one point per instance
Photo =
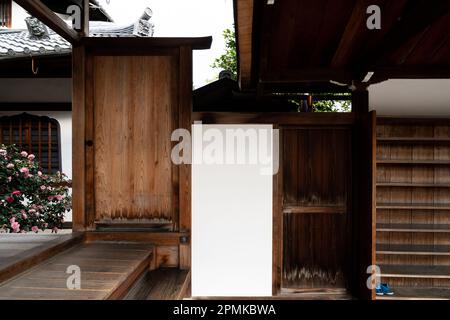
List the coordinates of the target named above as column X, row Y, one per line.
column 173, row 247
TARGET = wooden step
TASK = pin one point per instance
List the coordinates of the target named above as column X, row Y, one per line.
column 415, row 271
column 413, row 140
column 413, row 185
column 413, row 162
column 108, row 270
column 407, row 293
column 406, row 249
column 403, row 227
column 413, row 206
column 161, row 284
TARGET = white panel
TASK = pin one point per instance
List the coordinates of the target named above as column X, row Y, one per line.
column 407, row 97
column 231, row 222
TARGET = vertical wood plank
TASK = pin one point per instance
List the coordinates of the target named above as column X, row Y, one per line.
column 78, row 138
column 89, row 146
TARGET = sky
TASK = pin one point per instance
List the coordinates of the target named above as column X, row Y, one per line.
column 181, row 18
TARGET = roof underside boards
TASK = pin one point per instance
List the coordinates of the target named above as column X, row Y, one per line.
column 307, row 43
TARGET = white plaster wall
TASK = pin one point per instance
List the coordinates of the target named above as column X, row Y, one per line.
column 231, row 224
column 429, row 98
column 18, row 17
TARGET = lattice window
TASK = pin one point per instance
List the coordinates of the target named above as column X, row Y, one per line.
column 34, row 134
column 5, row 13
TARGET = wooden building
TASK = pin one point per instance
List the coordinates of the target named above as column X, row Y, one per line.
column 346, row 197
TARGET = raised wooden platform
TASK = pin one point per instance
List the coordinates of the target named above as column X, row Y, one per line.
column 108, row 270
column 19, row 252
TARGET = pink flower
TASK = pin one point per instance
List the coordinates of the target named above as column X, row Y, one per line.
column 25, row 171
column 14, row 225
column 16, row 193
column 59, row 197
column 50, row 198
column 10, row 166
column 10, row 199
column 39, row 173
column 35, row 229
column 3, row 152
column 31, row 157
column 24, row 216
column 43, row 187
column 24, row 154
column 31, row 211
column 9, row 179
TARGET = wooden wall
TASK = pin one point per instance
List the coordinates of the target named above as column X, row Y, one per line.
column 135, row 112
column 316, row 211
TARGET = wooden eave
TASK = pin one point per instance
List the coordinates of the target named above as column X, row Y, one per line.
column 302, row 44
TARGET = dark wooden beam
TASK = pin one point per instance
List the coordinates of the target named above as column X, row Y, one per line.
column 416, row 18
column 35, row 106
column 50, row 66
column 277, row 118
column 39, row 10
column 354, row 29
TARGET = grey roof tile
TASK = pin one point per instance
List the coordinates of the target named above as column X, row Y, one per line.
column 17, row 43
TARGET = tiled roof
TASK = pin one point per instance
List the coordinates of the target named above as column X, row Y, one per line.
column 18, row 43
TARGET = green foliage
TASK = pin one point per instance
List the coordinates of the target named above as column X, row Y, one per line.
column 228, row 60
column 332, row 105
column 29, row 199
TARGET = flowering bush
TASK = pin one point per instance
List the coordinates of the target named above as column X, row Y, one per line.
column 29, row 199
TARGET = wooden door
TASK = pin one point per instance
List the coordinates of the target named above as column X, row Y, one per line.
column 316, row 207
column 135, row 112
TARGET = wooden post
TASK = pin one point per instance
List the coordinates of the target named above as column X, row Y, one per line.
column 360, row 99
column 85, row 19
column 78, row 138
column 364, row 199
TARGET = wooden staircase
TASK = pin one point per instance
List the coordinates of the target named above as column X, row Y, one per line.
column 413, row 207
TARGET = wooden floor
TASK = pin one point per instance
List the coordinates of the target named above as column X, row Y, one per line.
column 108, row 270
column 161, row 284
column 15, row 246
column 418, row 294
column 19, row 252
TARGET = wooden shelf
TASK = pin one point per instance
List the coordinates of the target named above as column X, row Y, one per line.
column 408, row 293
column 413, row 185
column 415, row 249
column 415, row 271
column 413, row 206
column 401, row 227
column 412, row 140
column 412, row 162
column 314, row 209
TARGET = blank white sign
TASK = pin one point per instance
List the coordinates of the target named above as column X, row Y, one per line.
column 231, row 218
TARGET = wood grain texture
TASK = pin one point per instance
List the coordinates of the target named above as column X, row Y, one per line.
column 413, row 204
column 107, row 271
column 316, row 184
column 162, row 284
column 19, row 253
column 134, row 106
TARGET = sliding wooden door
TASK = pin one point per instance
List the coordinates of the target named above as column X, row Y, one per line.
column 316, row 249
